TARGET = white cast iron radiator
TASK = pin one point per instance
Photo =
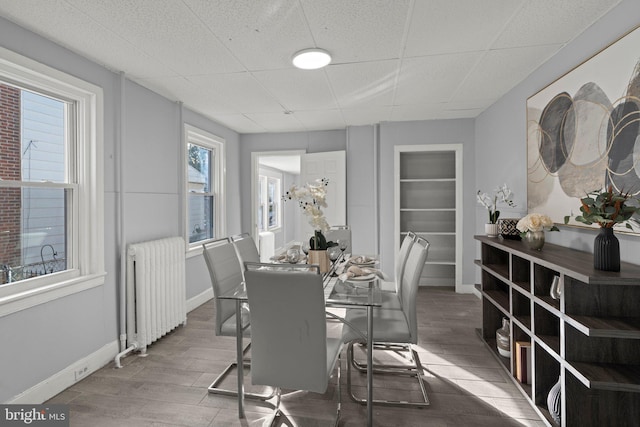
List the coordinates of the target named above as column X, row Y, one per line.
column 156, row 294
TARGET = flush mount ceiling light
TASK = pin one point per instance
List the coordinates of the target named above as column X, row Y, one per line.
column 311, row 59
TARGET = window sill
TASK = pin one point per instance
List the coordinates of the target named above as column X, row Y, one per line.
column 22, row 300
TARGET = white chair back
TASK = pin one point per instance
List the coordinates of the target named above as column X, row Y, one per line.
column 401, row 261
column 410, row 282
column 289, row 333
column 226, row 273
column 246, row 248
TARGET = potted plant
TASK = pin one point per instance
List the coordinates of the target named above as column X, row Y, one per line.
column 607, row 208
column 501, row 195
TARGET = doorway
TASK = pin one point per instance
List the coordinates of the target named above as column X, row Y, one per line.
column 275, row 224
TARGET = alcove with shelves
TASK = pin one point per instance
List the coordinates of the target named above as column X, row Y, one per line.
column 428, row 196
column 588, row 338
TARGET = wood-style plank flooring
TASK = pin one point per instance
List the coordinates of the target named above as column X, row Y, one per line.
column 466, row 385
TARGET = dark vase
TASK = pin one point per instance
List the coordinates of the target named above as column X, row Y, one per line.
column 606, row 251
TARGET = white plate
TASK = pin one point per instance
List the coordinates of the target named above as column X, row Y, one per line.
column 369, row 262
column 367, row 278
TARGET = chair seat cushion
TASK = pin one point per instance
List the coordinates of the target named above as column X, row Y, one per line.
column 387, row 286
column 389, row 325
column 390, row 301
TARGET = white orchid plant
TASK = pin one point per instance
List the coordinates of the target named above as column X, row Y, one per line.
column 312, row 197
column 502, row 195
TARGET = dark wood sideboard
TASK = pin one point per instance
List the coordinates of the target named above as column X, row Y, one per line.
column 589, row 338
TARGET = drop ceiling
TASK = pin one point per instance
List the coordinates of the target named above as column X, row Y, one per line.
column 393, row 60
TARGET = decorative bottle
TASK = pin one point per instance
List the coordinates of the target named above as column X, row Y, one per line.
column 503, row 339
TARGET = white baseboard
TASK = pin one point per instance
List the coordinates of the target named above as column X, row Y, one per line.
column 73, row 373
column 199, row 299
column 77, row 371
column 466, row 289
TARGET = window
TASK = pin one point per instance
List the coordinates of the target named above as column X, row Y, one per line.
column 51, row 196
column 205, row 175
column 269, row 200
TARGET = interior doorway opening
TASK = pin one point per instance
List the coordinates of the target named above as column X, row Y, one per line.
column 275, row 224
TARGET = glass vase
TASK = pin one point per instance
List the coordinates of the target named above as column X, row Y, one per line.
column 503, row 340
column 534, row 239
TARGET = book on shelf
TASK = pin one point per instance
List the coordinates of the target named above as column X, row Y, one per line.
column 523, row 361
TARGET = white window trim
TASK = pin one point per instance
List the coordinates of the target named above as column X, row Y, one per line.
column 206, row 139
column 87, row 242
column 270, row 173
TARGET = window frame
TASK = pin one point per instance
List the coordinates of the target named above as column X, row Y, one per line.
column 198, row 136
column 85, row 238
column 270, row 175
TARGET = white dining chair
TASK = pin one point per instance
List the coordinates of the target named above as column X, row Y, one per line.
column 392, row 295
column 246, row 248
column 393, row 329
column 290, row 347
column 225, row 272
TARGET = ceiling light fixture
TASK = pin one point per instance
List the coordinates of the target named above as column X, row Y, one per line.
column 311, row 59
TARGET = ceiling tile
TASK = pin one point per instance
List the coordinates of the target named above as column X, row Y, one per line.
column 367, row 115
column 500, row 70
column 277, row 122
column 445, row 26
column 364, row 84
column 321, row 120
column 298, row 89
column 551, row 21
column 262, row 35
column 167, row 29
column 239, row 122
column 432, row 79
column 241, row 90
column 358, row 30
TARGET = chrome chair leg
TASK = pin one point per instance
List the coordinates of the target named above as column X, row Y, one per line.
column 215, row 389
column 414, row 370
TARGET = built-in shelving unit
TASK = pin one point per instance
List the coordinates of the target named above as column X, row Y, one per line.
column 428, row 202
column 589, row 338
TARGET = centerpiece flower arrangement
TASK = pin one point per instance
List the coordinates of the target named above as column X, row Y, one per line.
column 532, row 229
column 536, row 222
column 312, row 197
column 607, row 208
column 501, row 195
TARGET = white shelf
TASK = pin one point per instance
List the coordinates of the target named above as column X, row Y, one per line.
column 428, row 203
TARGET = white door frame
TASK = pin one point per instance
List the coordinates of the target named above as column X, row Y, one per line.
column 255, row 156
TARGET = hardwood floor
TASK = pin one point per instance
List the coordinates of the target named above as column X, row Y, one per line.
column 466, row 385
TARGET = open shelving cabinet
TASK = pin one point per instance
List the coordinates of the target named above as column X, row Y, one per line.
column 428, row 202
column 589, row 338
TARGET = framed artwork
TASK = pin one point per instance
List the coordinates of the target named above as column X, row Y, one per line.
column 583, row 132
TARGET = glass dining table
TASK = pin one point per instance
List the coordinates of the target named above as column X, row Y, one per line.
column 365, row 295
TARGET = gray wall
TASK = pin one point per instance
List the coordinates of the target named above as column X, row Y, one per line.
column 43, row 340
column 501, row 130
column 416, row 133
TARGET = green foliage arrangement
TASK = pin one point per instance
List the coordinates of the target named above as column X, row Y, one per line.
column 607, row 208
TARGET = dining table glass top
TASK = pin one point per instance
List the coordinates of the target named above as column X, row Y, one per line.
column 354, row 292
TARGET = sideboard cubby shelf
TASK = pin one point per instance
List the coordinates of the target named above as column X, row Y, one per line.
column 588, row 339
